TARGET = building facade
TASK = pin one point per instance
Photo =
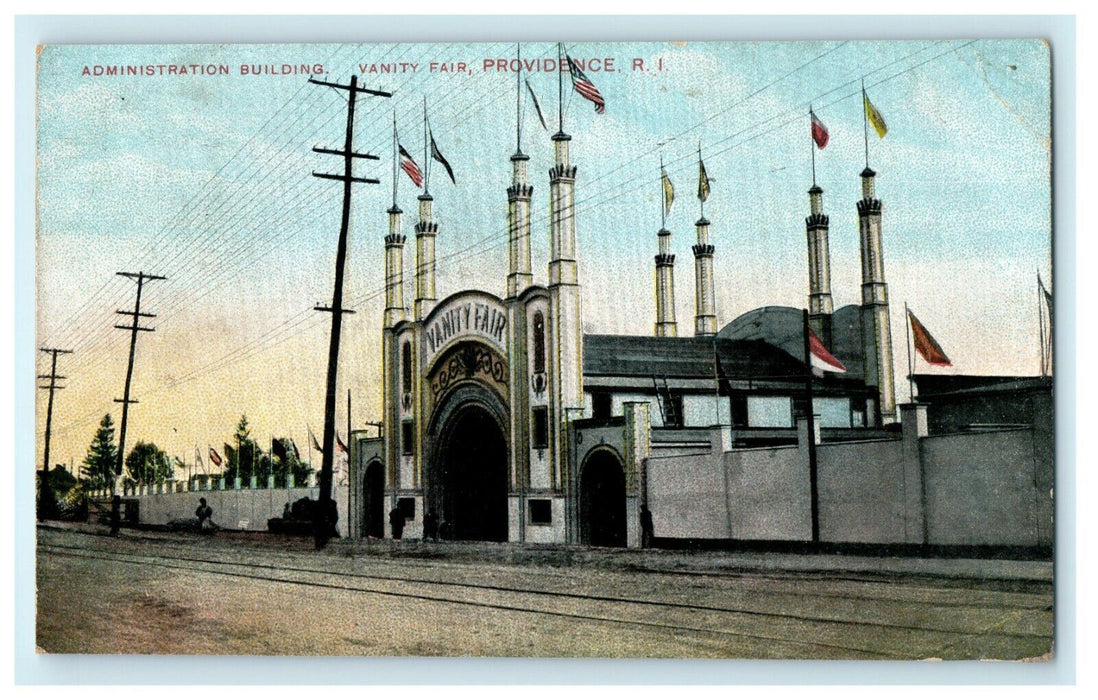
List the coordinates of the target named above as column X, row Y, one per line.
column 503, row 421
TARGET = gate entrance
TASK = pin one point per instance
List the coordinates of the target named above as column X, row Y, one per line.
column 602, row 501
column 373, row 501
column 473, row 470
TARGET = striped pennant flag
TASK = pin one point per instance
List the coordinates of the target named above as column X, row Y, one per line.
column 408, row 165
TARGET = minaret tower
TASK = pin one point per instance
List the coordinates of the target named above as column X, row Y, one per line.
column 518, row 210
column 665, row 266
column 876, row 329
column 426, row 230
column 565, row 332
column 394, row 254
column 820, row 305
column 705, row 316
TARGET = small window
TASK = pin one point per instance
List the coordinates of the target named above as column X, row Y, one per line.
column 407, row 437
column 539, row 342
column 541, row 427
column 407, row 508
column 770, row 411
column 406, row 367
column 541, row 511
column 602, row 404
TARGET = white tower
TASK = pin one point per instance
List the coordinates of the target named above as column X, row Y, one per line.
column 665, row 288
column 426, row 230
column 518, row 227
column 565, row 332
column 876, row 329
column 820, row 305
column 705, row 318
column 394, row 270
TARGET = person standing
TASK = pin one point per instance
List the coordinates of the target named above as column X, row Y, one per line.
column 204, row 513
column 646, row 527
column 396, row 522
column 116, row 514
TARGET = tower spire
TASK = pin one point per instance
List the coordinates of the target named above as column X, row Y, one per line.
column 865, row 126
column 518, row 99
column 665, row 268
column 705, row 306
column 519, row 276
column 560, row 87
column 396, row 157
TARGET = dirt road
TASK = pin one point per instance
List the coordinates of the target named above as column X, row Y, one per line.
column 180, row 594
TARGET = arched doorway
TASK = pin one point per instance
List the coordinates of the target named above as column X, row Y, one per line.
column 472, row 473
column 602, row 500
column 373, row 501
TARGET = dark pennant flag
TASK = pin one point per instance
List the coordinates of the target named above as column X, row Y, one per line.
column 437, row 155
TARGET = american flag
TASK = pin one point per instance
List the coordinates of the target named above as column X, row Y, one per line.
column 585, row 87
column 408, row 165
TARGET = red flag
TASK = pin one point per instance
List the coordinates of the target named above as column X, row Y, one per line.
column 408, row 165
column 585, row 87
column 340, row 443
column 925, row 344
column 820, row 357
column 819, row 131
column 214, row 457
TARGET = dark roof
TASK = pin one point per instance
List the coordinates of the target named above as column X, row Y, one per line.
column 962, row 385
column 781, row 326
column 638, row 355
column 690, row 357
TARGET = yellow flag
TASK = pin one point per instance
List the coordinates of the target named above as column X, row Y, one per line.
column 703, row 182
column 668, row 192
column 874, row 117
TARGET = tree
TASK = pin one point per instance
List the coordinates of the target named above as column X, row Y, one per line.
column 97, row 469
column 242, row 458
column 148, row 464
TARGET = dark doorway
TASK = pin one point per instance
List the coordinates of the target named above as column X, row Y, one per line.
column 474, row 477
column 602, row 501
column 373, row 501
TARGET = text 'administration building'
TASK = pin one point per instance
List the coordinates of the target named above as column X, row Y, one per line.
column 505, row 422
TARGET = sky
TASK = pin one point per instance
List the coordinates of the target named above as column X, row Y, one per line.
column 206, row 180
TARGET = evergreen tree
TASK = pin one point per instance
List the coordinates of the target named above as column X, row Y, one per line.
column 148, row 464
column 242, row 458
column 97, row 470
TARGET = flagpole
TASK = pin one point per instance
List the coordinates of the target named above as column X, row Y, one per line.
column 560, row 87
column 910, row 357
column 810, row 415
column 518, row 99
column 1041, row 323
column 426, row 162
column 865, row 124
column 663, row 197
column 395, row 156
column 812, row 144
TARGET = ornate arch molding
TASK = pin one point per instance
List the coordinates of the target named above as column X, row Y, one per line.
column 468, row 364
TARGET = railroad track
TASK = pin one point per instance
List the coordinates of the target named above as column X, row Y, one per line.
column 630, row 611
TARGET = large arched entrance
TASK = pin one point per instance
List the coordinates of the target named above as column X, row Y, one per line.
column 602, row 500
column 373, row 501
column 472, row 471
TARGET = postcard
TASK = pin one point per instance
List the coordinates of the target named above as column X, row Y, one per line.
column 665, row 349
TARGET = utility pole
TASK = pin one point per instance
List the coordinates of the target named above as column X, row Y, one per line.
column 46, row 502
column 323, row 521
column 136, row 316
column 813, row 474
